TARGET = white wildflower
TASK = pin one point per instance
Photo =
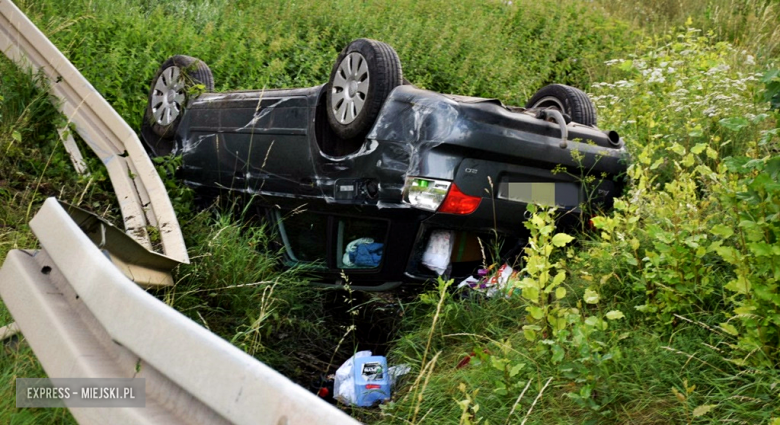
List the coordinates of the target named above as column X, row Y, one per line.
column 656, row 76
column 718, row 69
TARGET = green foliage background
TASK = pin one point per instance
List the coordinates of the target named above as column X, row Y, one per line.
column 667, row 313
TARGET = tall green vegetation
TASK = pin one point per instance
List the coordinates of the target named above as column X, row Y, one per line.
column 751, row 24
column 669, row 312
column 33, row 165
column 704, row 190
column 666, row 313
column 467, row 47
column 33, row 162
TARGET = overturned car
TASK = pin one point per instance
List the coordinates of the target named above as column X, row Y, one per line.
column 372, row 177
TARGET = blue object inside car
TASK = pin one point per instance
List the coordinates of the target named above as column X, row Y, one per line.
column 367, row 254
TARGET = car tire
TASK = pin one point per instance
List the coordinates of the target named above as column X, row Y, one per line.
column 168, row 93
column 569, row 100
column 364, row 74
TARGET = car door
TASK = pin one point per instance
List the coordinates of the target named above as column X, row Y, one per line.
column 265, row 143
column 253, row 141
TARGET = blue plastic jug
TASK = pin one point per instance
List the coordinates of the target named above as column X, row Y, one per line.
column 372, row 381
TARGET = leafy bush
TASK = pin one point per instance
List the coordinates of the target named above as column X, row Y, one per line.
column 667, row 314
column 750, row 244
column 687, row 95
column 471, row 47
column 696, row 232
column 772, row 94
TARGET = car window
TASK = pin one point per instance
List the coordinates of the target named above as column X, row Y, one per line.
column 360, row 243
column 305, row 236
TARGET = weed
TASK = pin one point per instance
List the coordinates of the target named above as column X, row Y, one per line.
column 678, row 285
column 752, row 23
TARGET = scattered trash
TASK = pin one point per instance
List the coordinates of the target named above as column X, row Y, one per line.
column 365, row 380
column 398, row 371
column 466, row 360
column 372, row 381
column 439, row 250
column 363, row 252
column 489, row 284
column 323, row 387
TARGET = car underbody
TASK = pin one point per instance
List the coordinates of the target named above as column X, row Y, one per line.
column 370, row 206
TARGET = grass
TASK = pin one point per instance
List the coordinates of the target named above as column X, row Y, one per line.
column 671, row 358
column 295, row 44
column 752, row 24
column 636, row 384
column 18, row 361
column 234, row 287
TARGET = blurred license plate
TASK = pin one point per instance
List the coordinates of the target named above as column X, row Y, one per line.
column 549, row 194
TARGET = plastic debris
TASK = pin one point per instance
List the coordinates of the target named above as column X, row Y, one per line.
column 397, row 371
column 344, row 384
column 439, row 250
column 466, row 360
column 372, row 381
column 323, row 387
column 489, row 284
column 365, row 380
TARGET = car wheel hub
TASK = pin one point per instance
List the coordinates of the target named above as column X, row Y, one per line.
column 168, row 96
column 350, row 88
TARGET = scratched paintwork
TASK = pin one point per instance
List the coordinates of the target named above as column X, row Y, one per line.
column 277, row 145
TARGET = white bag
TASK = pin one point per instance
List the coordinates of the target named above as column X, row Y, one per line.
column 344, row 383
column 439, row 250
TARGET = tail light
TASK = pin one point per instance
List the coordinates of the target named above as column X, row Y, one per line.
column 458, row 202
column 441, row 195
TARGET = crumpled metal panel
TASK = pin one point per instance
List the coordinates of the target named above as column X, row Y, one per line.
column 271, row 143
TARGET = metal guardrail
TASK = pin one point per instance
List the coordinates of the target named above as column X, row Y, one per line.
column 83, row 318
column 141, row 194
